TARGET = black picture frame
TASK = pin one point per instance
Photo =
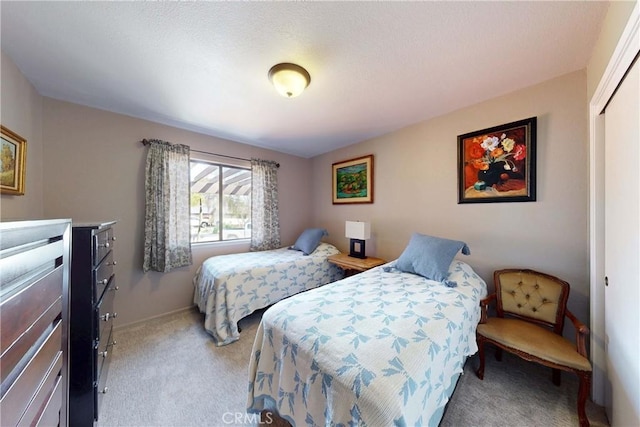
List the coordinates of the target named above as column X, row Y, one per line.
column 498, row 164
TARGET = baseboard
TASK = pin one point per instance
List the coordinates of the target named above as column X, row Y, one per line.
column 159, row 316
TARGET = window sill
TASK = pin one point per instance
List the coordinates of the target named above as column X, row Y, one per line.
column 235, row 242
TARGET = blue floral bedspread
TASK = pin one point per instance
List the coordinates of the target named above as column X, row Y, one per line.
column 230, row 287
column 378, row 349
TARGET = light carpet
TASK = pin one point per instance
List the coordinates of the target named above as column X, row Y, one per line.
column 168, row 372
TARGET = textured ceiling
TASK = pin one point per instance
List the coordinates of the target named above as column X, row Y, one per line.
column 375, row 67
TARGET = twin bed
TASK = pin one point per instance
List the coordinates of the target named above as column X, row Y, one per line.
column 384, row 347
column 230, row 287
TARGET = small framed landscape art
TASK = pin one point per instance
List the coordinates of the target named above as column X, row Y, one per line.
column 353, row 180
column 13, row 157
column 498, row 164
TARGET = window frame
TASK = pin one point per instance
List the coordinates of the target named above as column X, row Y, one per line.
column 215, row 160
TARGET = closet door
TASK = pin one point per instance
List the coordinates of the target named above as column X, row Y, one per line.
column 622, row 251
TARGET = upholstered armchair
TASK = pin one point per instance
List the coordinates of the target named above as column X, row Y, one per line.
column 530, row 310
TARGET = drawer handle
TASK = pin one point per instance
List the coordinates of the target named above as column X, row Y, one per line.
column 106, row 317
column 105, row 390
column 113, row 343
column 114, row 315
column 103, row 281
column 114, row 288
column 113, row 238
column 104, row 353
column 106, row 245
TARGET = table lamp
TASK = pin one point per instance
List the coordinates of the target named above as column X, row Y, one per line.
column 358, row 232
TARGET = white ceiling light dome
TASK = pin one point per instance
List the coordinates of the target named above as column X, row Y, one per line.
column 290, row 80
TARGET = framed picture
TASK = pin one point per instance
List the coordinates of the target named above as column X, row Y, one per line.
column 353, row 180
column 498, row 164
column 13, row 155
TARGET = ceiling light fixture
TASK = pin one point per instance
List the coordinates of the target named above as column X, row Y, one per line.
column 289, row 79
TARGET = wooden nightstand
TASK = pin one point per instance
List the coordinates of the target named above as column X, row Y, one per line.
column 355, row 265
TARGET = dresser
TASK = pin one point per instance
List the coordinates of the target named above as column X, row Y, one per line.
column 34, row 306
column 93, row 288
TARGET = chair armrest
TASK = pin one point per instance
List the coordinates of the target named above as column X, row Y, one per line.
column 484, row 304
column 581, row 333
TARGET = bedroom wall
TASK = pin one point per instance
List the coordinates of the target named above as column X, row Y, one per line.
column 21, row 111
column 94, row 171
column 416, row 189
column 617, row 16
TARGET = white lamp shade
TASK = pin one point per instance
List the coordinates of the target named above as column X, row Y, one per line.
column 289, row 79
column 357, row 230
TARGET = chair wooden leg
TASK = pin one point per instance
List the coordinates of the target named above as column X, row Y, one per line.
column 583, row 393
column 499, row 354
column 555, row 376
column 480, row 370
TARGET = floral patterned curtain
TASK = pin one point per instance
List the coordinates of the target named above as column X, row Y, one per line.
column 167, row 243
column 265, row 224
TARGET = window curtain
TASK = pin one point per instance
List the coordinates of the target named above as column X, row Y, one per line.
column 265, row 224
column 167, row 243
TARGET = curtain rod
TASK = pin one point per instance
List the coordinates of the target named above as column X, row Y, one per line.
column 146, row 142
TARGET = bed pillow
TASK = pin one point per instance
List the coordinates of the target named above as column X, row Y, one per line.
column 309, row 240
column 430, row 256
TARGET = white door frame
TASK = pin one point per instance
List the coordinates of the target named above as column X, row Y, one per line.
column 626, row 50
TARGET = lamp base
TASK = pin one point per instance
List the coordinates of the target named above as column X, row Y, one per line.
column 356, row 249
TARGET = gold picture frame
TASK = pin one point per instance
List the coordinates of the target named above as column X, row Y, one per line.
column 13, row 155
column 353, row 180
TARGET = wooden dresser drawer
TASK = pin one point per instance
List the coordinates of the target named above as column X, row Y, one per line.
column 103, row 242
column 105, row 358
column 105, row 348
column 29, row 312
column 13, row 357
column 50, row 412
column 19, row 395
column 103, row 275
column 23, row 308
column 104, row 361
column 45, row 396
column 105, row 311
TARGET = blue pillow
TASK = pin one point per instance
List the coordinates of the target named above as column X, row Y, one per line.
column 309, row 240
column 430, row 257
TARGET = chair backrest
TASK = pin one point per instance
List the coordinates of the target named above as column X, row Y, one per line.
column 533, row 296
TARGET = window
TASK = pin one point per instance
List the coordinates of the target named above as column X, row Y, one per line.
column 220, row 202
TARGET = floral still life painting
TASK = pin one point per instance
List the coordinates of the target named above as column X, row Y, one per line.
column 353, row 180
column 498, row 164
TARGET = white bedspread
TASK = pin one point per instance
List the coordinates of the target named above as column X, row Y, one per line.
column 378, row 349
column 230, row 287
